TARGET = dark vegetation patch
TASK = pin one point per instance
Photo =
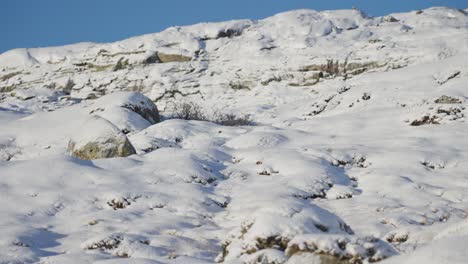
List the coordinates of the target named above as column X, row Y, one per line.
column 425, row 120
column 193, row 111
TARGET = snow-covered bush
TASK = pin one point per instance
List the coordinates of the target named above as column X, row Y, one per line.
column 189, row 111
column 192, row 111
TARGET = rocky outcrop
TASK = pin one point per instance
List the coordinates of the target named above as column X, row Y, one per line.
column 444, row 99
column 141, row 105
column 164, row 58
column 99, row 139
column 336, row 68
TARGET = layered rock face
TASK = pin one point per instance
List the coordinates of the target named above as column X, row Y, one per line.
column 299, row 49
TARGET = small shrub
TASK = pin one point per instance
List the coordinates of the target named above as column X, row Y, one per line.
column 189, row 111
column 232, row 120
column 192, row 111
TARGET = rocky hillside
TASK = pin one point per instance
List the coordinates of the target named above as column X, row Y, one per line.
column 354, row 152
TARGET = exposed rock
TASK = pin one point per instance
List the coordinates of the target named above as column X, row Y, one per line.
column 68, row 86
column 453, row 113
column 341, row 249
column 271, row 79
column 234, row 31
column 164, row 58
column 444, row 99
column 229, row 33
column 355, row 68
column 121, row 64
column 143, row 106
column 92, row 96
column 357, row 161
column 446, row 76
column 6, row 89
column 397, row 237
column 335, row 68
column 390, row 19
column 374, row 41
column 241, row 85
column 152, row 58
column 432, row 165
column 447, row 110
column 276, row 242
column 9, row 75
column 126, row 120
column 20, row 243
column 425, row 120
column 99, row 139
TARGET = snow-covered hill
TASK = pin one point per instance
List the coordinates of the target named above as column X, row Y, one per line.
column 357, row 151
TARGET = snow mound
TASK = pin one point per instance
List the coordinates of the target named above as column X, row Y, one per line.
column 133, row 101
column 17, row 57
column 447, row 250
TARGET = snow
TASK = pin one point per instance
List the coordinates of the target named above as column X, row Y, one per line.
column 365, row 160
column 450, row 250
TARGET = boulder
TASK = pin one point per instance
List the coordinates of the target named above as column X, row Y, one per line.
column 126, row 120
column 444, row 99
column 129, row 111
column 99, row 139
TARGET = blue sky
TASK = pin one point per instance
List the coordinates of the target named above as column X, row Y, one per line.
column 39, row 23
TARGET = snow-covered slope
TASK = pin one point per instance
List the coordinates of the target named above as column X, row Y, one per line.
column 357, row 151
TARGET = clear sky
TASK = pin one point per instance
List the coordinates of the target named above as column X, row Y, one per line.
column 39, row 23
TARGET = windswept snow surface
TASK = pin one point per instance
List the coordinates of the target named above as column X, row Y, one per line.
column 358, row 149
